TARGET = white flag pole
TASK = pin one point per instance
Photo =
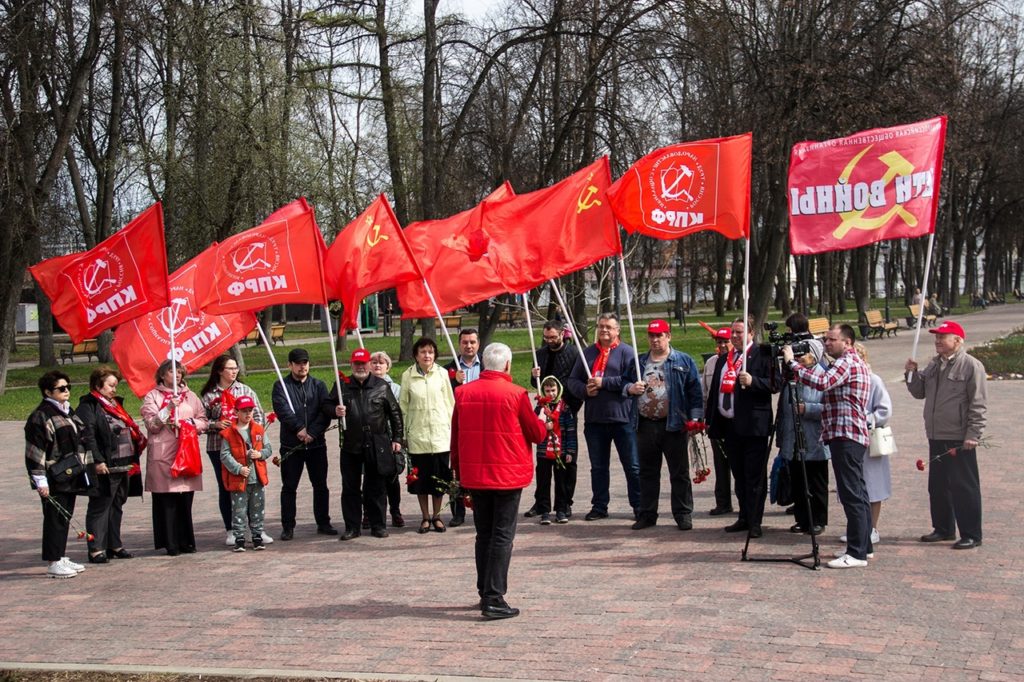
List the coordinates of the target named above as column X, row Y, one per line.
column 746, row 304
column 629, row 314
column 174, row 357
column 572, row 328
column 273, row 361
column 924, row 297
column 334, row 360
column 440, row 318
column 533, row 346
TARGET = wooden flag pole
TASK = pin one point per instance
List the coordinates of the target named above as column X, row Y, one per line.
column 924, row 297
column 533, row 346
column 277, row 369
column 629, row 314
column 334, row 360
column 572, row 328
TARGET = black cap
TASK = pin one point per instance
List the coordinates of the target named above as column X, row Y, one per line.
column 298, row 355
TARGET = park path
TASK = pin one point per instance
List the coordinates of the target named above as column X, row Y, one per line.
column 600, row 602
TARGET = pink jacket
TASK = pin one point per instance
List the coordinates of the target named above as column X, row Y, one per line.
column 163, row 440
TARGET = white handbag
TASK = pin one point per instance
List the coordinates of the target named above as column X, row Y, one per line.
column 883, row 443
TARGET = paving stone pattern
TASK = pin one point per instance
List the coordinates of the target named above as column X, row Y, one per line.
column 600, row 601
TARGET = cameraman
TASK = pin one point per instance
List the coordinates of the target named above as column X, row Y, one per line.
column 846, row 384
column 808, row 404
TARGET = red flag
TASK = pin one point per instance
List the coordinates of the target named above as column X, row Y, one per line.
column 199, row 336
column 123, row 277
column 553, row 231
column 368, row 255
column 279, row 261
column 874, row 185
column 688, row 187
column 453, row 254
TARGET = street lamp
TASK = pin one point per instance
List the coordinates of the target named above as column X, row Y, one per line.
column 885, row 248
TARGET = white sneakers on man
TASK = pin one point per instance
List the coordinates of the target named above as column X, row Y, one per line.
column 58, row 569
column 267, row 540
column 875, row 537
column 847, row 561
column 77, row 568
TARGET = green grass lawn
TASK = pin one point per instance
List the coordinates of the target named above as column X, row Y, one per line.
column 1003, row 356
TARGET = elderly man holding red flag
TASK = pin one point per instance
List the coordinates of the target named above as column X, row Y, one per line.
column 492, row 427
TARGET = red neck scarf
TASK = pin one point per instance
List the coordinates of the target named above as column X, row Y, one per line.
column 601, row 363
column 113, row 408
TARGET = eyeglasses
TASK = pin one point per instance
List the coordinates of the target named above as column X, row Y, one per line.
column 62, row 389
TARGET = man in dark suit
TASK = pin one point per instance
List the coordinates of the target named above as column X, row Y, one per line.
column 739, row 411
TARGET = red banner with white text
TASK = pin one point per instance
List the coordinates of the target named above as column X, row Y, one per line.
column 857, row 190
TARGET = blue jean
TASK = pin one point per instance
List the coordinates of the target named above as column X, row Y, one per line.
column 599, row 445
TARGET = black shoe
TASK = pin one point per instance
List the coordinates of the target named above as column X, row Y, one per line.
column 684, row 524
column 643, row 522
column 119, row 554
column 173, row 552
column 188, row 549
column 397, row 520
column 366, row 522
column 594, row 514
column 966, row 543
column 499, row 610
column 348, row 535
column 379, row 533
column 239, row 546
column 456, row 521
column 287, row 534
column 936, row 536
column 797, row 528
column 531, row 512
column 327, row 530
column 100, row 558
column 755, row 531
column 817, row 530
column 737, row 527
column 257, row 544
column 720, row 511
column 791, row 510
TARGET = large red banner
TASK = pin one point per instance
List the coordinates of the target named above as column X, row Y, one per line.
column 874, row 185
column 199, row 336
column 688, row 187
column 454, row 254
column 122, row 277
column 279, row 261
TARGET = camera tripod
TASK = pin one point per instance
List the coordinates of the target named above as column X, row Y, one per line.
column 813, row 559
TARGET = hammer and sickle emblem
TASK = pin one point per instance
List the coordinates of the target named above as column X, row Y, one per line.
column 897, row 165
column 376, row 237
column 587, row 201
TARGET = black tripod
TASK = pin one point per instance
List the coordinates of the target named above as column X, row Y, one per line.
column 799, row 453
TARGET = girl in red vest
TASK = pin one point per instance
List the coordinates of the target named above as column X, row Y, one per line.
column 244, row 453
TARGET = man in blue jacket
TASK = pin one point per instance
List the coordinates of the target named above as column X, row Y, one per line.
column 668, row 395
column 608, row 413
column 303, row 445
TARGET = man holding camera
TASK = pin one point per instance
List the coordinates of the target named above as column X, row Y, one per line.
column 846, row 384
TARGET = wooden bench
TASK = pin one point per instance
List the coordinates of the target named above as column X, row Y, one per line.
column 877, row 325
column 87, row 348
column 252, row 336
column 450, row 322
column 512, row 318
column 915, row 310
column 277, row 334
column 818, row 326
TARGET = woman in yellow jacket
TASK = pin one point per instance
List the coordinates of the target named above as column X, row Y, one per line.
column 427, row 403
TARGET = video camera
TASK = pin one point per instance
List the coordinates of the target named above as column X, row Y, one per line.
column 799, row 341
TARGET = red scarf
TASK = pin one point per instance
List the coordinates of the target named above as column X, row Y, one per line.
column 114, row 409
column 554, row 444
column 601, row 363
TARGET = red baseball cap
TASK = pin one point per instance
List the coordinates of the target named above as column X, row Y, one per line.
column 949, row 327
column 360, row 355
column 723, row 334
column 245, row 403
column 658, row 327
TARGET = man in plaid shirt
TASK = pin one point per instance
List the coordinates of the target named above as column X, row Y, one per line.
column 844, row 428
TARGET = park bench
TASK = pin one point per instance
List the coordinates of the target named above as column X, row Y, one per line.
column 512, row 318
column 995, row 299
column 915, row 310
column 818, row 326
column 251, row 337
column 877, row 326
column 277, row 334
column 87, row 348
column 450, row 322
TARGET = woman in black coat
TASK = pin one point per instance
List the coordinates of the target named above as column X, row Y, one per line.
column 115, row 442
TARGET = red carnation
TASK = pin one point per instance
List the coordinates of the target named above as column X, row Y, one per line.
column 920, row 465
column 451, row 374
column 271, row 418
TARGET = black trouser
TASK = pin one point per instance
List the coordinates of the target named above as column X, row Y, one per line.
column 223, row 496
column 393, row 491
column 565, row 484
column 55, row 525
column 494, row 514
column 103, row 516
column 749, row 465
column 817, row 489
column 653, row 441
column 172, row 521
column 954, row 489
column 848, row 465
column 361, row 486
column 314, row 459
column 458, row 505
column 723, row 479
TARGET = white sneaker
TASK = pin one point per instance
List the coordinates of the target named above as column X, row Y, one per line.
column 230, row 541
column 847, row 561
column 267, row 540
column 839, row 553
column 58, row 569
column 77, row 568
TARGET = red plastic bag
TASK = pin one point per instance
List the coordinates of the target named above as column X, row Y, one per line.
column 187, row 462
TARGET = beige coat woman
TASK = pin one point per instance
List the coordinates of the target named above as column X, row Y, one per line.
column 163, row 439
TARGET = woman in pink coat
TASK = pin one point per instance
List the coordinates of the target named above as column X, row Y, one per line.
column 172, row 497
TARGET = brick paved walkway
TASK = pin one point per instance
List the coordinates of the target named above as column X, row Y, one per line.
column 599, row 601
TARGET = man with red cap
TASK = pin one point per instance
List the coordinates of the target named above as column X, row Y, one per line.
column 373, row 434
column 953, row 389
column 723, row 477
column 668, row 395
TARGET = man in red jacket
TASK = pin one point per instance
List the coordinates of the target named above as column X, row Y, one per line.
column 492, row 428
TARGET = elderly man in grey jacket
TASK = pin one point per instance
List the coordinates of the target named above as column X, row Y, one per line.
column 953, row 389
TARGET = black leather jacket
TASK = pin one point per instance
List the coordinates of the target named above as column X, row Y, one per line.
column 370, row 408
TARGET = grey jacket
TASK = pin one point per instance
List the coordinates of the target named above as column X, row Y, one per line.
column 954, row 398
